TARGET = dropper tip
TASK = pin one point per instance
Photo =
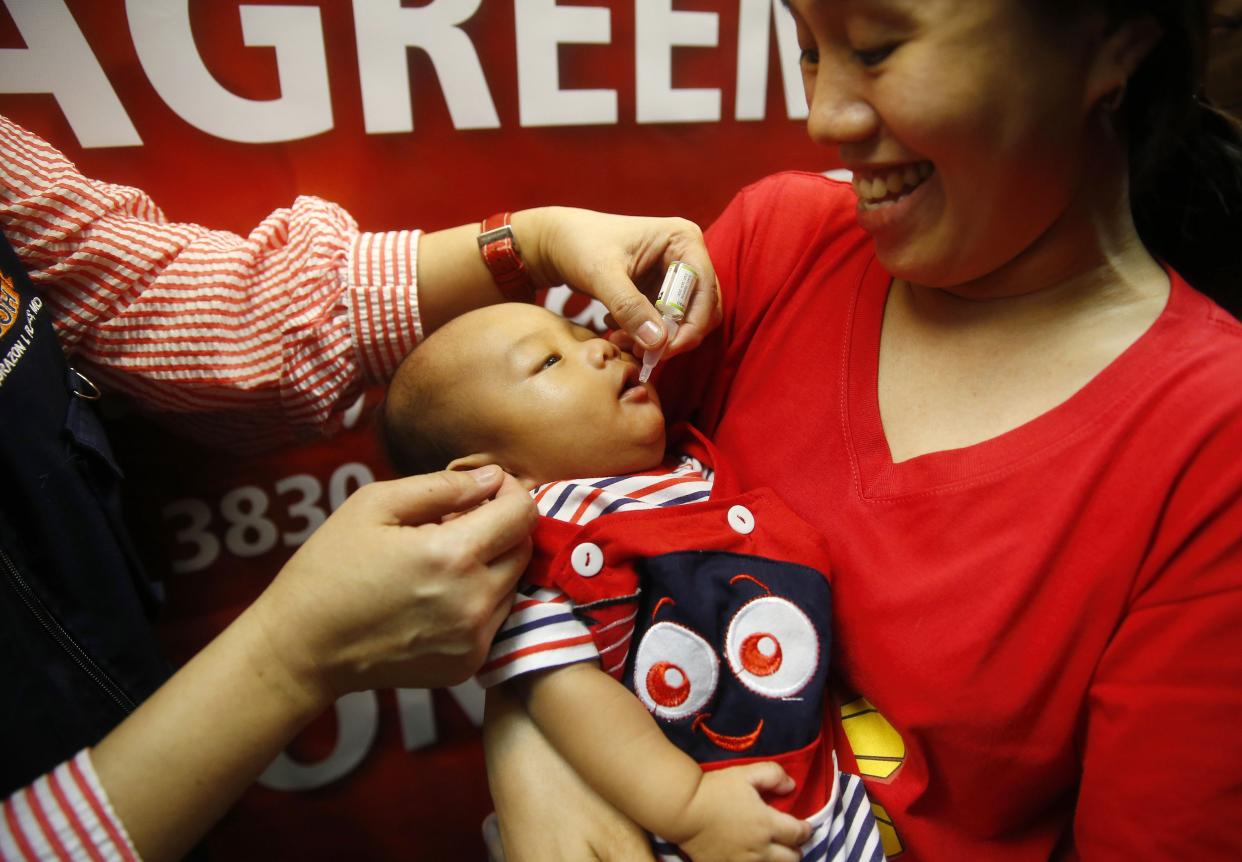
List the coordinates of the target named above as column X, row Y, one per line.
column 651, row 357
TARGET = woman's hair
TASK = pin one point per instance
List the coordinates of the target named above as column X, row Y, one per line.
column 1185, row 154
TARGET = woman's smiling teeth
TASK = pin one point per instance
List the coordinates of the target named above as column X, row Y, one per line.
column 881, row 188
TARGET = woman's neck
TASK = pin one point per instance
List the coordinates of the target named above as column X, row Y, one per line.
column 1090, row 256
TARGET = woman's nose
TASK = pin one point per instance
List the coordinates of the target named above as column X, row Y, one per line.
column 837, row 114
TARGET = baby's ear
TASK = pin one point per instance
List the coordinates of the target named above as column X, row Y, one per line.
column 482, row 459
column 471, row 462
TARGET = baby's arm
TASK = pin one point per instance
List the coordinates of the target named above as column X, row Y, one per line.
column 607, row 735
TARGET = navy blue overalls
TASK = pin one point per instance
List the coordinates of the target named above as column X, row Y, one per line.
column 77, row 651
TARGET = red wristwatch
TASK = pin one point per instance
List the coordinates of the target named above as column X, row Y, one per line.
column 500, row 252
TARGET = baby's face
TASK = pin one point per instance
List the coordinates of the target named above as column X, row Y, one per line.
column 558, row 401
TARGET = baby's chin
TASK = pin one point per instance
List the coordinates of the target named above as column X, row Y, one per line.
column 614, row 460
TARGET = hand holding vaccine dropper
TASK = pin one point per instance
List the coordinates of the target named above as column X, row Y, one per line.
column 674, row 296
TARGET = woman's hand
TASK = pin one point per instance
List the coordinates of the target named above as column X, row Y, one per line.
column 385, row 594
column 620, row 260
column 546, row 812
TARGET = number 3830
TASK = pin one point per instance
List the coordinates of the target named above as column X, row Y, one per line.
column 253, row 520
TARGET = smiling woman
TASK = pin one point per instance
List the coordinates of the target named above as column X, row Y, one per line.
column 998, row 373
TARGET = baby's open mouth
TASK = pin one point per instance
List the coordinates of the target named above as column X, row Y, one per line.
column 630, row 387
column 886, row 186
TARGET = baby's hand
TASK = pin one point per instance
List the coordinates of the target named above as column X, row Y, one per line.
column 727, row 818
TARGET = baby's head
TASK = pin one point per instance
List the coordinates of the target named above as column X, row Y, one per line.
column 518, row 386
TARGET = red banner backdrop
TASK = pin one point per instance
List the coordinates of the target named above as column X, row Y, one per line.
column 411, row 114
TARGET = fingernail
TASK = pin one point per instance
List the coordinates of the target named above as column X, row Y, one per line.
column 649, row 334
column 485, row 475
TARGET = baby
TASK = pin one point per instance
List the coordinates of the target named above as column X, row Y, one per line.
column 709, row 604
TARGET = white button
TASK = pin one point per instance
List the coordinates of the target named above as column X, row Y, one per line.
column 587, row 559
column 741, row 519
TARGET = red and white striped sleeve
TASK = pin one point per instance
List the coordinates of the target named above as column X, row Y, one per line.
column 256, row 339
column 540, row 633
column 65, row 815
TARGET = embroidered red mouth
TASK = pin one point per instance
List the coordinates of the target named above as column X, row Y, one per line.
column 729, row 743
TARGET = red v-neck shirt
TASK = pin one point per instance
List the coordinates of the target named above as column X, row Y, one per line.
column 1050, row 621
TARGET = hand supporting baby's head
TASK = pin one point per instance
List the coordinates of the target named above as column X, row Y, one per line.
column 518, row 386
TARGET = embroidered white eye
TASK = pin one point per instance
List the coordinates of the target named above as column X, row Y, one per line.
column 675, row 671
column 772, row 647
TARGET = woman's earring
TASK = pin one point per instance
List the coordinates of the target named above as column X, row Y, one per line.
column 1113, row 99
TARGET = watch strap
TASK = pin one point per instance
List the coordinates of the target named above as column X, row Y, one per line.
column 503, row 258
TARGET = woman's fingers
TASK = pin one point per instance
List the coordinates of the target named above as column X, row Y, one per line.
column 686, row 244
column 416, row 500
column 497, row 526
column 608, row 257
column 385, row 594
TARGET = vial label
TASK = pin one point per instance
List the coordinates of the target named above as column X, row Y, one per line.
column 675, row 293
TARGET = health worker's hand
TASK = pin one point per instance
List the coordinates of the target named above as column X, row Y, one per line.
column 387, row 593
column 621, row 260
column 546, row 812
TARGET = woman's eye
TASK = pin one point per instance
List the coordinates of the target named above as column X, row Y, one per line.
column 550, row 361
column 875, row 56
column 808, row 57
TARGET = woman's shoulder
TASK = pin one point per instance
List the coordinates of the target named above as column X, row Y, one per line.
column 1194, row 363
column 816, row 183
column 1206, row 331
column 793, row 212
column 802, row 196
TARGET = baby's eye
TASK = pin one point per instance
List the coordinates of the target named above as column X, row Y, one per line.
column 875, row 56
column 550, row 361
column 808, row 57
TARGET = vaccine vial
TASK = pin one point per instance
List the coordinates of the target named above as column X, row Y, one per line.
column 672, row 301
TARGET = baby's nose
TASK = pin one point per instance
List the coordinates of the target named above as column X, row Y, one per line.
column 601, row 350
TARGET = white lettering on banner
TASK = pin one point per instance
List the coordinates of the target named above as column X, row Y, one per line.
column 357, row 722
column 248, row 530
column 657, row 29
column 195, row 533
column 542, row 26
column 592, row 317
column 384, row 29
column 58, row 60
column 306, row 507
column 353, row 412
column 165, row 46
column 418, row 720
column 752, row 60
